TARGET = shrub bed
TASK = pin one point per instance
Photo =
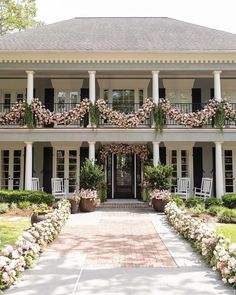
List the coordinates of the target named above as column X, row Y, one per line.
column 15, row 259
column 216, row 249
column 229, row 201
column 26, row 196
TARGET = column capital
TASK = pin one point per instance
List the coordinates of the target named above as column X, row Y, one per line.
column 30, row 72
column 28, row 142
column 156, row 142
column 91, row 142
column 155, row 72
column 92, row 72
column 218, row 142
column 216, row 72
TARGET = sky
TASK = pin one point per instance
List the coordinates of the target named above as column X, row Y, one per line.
column 215, row 14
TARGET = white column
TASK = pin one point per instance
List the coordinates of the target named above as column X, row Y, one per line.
column 28, row 165
column 156, row 153
column 92, row 151
column 217, row 86
column 30, row 86
column 219, row 170
column 155, row 86
column 92, row 86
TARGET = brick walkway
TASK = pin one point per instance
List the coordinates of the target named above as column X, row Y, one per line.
column 115, row 238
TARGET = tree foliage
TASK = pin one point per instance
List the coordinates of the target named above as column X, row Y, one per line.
column 17, row 15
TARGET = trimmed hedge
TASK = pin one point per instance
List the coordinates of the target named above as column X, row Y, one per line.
column 26, row 196
column 212, row 202
column 229, row 201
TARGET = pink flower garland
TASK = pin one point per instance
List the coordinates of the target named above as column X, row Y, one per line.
column 123, row 120
column 140, row 150
column 16, row 114
column 190, row 119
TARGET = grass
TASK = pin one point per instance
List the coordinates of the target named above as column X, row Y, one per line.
column 11, row 230
column 228, row 230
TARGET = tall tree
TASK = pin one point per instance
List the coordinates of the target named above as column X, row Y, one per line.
column 17, row 15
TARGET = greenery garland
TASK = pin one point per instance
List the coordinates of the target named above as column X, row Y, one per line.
column 220, row 117
column 94, row 114
column 158, row 117
column 28, row 116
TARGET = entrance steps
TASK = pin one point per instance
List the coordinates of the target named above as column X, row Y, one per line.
column 123, row 203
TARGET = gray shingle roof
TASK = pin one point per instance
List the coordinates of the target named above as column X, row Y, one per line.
column 120, row 34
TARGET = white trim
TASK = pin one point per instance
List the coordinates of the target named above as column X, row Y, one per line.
column 135, row 176
column 112, row 174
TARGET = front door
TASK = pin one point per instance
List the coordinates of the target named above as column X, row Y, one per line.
column 123, row 176
column 67, row 167
column 11, row 169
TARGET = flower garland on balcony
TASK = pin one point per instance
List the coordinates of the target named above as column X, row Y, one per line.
column 45, row 116
column 123, row 120
column 140, row 150
column 16, row 115
column 190, row 119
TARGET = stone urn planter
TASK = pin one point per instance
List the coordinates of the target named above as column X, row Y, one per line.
column 87, row 205
column 88, row 200
column 74, row 203
column 160, row 198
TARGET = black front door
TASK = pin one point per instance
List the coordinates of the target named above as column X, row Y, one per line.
column 123, row 176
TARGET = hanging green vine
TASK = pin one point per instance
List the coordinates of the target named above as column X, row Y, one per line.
column 158, row 118
column 220, row 117
column 94, row 114
column 28, row 117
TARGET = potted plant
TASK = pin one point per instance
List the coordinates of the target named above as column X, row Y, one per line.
column 40, row 213
column 159, row 179
column 74, row 203
column 88, row 200
column 90, row 177
column 160, row 198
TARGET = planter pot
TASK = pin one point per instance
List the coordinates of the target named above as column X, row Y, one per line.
column 74, row 206
column 159, row 204
column 87, row 205
column 35, row 218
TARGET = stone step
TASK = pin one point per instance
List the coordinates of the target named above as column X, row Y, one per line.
column 123, row 205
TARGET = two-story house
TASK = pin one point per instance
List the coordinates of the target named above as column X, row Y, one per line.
column 123, row 61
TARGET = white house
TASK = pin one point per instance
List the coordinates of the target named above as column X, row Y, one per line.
column 124, row 61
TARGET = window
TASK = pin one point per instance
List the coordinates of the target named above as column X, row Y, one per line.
column 7, row 102
column 106, row 95
column 123, row 100
column 61, row 97
column 74, row 95
column 19, row 97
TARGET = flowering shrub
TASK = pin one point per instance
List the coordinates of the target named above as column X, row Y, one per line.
column 87, row 194
column 15, row 259
column 216, row 249
column 121, row 119
column 140, row 150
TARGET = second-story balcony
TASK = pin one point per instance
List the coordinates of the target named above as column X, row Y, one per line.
column 125, row 108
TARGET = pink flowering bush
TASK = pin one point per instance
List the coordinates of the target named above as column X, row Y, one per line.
column 15, row 259
column 87, row 194
column 216, row 249
column 160, row 194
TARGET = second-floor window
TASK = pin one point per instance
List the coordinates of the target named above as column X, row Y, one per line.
column 123, row 100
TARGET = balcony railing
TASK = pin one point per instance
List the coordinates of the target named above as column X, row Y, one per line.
column 126, row 108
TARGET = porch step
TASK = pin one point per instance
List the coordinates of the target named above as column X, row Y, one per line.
column 123, row 203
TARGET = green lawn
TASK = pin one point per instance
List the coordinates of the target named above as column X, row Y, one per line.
column 11, row 230
column 228, row 230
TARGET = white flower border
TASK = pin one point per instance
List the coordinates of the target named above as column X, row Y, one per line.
column 15, row 259
column 216, row 249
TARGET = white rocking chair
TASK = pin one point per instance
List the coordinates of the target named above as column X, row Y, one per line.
column 35, row 185
column 205, row 190
column 183, row 188
column 58, row 188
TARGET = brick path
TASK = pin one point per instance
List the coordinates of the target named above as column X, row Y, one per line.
column 115, row 238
